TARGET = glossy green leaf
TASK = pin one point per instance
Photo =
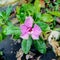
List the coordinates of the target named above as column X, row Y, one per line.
column 26, row 45
column 12, row 30
column 3, row 15
column 40, row 45
column 45, row 27
column 37, row 17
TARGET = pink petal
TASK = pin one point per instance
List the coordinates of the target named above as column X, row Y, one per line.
column 36, row 31
column 25, row 36
column 23, row 29
column 35, row 37
column 29, row 21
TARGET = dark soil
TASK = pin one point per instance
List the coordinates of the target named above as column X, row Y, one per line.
column 9, row 48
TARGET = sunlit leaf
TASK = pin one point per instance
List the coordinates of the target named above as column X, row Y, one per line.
column 47, row 18
column 37, row 5
column 55, row 13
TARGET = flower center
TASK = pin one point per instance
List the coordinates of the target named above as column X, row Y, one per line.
column 30, row 29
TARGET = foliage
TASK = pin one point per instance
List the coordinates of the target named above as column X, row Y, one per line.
column 4, row 16
column 40, row 45
column 27, row 10
column 12, row 30
column 0, row 37
column 45, row 27
column 6, row 25
column 37, row 5
column 55, row 13
column 24, row 11
column 47, row 1
column 45, row 20
column 58, row 1
column 26, row 45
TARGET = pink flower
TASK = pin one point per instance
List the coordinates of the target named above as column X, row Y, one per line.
column 27, row 29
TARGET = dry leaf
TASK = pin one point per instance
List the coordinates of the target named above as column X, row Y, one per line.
column 42, row 2
column 55, row 47
column 19, row 54
column 14, row 21
column 53, row 34
column 58, row 51
column 58, row 20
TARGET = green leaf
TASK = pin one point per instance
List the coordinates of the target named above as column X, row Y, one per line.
column 17, row 9
column 55, row 13
column 47, row 1
column 22, row 17
column 37, row 16
column 12, row 30
column 45, row 27
column 26, row 45
column 1, row 21
column 1, row 14
column 57, row 29
column 0, row 37
column 4, row 16
column 25, row 10
column 58, row 1
column 1, row 52
column 8, row 10
column 40, row 45
column 47, row 18
column 37, row 5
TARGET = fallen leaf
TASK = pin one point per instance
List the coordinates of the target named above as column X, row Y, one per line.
column 42, row 2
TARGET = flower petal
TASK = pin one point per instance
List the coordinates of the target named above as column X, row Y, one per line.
column 25, row 36
column 35, row 37
column 36, row 31
column 29, row 21
column 23, row 29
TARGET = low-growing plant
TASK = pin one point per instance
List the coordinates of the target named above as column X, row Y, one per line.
column 31, row 34
column 29, row 13
column 34, row 25
column 7, row 28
